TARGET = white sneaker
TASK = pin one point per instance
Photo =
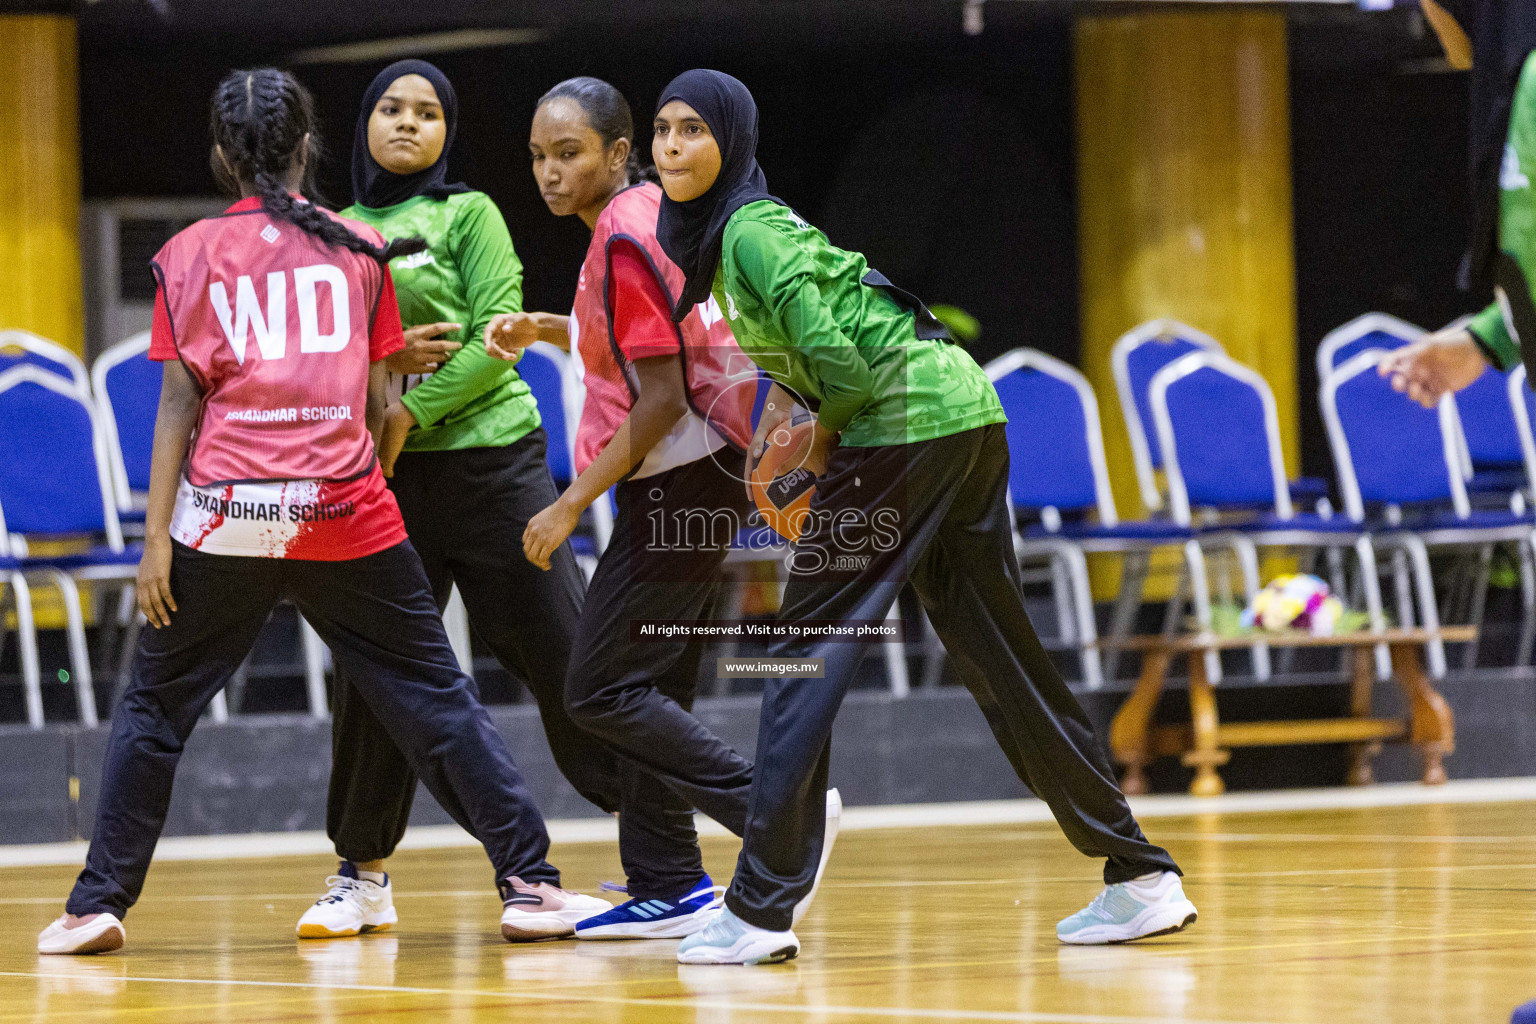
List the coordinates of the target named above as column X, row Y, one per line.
column 544, row 911
column 103, row 933
column 730, row 940
column 1137, row 909
column 351, row 907
column 834, row 819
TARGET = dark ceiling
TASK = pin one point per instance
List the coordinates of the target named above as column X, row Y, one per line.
column 1330, row 32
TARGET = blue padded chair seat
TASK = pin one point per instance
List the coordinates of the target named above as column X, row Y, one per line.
column 1497, row 481
column 133, row 515
column 98, row 555
column 1306, row 521
column 583, row 545
column 1142, row 529
column 1479, row 519
column 1308, row 489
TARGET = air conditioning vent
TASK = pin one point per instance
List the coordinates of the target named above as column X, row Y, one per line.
column 118, row 239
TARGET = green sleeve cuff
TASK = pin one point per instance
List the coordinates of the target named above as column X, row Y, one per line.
column 1490, row 334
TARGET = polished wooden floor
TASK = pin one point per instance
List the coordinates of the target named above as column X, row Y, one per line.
column 1408, row 915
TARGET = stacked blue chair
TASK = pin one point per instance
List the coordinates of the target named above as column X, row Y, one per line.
column 1219, row 432
column 1057, row 473
column 22, row 348
column 13, row 578
column 125, row 383
column 1368, row 331
column 55, row 482
column 1384, row 447
column 1134, row 360
column 1488, row 441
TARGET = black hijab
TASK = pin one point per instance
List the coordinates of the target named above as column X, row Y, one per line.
column 375, row 187
column 690, row 233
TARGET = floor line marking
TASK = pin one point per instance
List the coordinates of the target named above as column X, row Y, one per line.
column 1025, row 1016
column 833, row 883
column 958, row 814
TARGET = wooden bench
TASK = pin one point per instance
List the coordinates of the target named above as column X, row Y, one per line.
column 1205, row 743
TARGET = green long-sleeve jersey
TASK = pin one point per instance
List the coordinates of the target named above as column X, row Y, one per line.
column 1517, row 216
column 469, row 273
column 799, row 308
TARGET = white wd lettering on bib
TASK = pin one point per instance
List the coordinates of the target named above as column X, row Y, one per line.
column 310, row 338
column 271, row 331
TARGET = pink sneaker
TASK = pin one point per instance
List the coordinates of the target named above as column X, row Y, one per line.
column 543, row 911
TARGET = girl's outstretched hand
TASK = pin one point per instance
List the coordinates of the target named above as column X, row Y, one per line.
column 509, row 333
column 548, row 530
column 1428, row 370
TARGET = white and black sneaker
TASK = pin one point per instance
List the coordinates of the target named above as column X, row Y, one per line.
column 352, row 906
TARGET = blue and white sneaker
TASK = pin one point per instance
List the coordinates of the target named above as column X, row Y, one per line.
column 1138, row 909
column 727, row 939
column 656, row 919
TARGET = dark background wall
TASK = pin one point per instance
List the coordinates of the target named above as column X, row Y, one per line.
column 1380, row 183
column 947, row 159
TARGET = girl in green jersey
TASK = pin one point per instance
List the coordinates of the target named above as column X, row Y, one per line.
column 466, row 456
column 909, row 434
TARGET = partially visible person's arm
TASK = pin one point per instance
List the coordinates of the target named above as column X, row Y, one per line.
column 378, row 404
column 180, row 403
column 642, row 327
column 1428, row 370
column 385, row 339
column 509, row 333
column 663, row 401
column 493, row 284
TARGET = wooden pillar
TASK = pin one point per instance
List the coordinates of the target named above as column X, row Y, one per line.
column 1184, row 197
column 40, row 179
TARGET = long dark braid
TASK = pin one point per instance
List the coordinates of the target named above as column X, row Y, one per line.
column 260, row 121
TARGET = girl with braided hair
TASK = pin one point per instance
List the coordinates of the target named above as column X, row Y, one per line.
column 273, row 320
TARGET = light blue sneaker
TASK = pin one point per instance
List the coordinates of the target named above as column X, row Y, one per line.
column 727, row 939
column 656, row 919
column 1130, row 910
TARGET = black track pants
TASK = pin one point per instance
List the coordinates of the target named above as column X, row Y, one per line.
column 384, row 630
column 670, row 537
column 465, row 511
column 934, row 512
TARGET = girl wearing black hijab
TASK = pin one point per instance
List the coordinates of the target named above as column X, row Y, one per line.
column 909, row 432
column 466, row 456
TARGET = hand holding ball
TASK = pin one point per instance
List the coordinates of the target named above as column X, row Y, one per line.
column 780, row 485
